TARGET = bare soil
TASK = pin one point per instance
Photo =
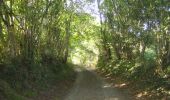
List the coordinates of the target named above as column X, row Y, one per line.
column 90, row 86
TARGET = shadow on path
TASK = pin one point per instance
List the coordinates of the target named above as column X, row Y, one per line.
column 90, row 86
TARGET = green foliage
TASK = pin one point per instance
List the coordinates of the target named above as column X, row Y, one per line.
column 38, row 36
column 150, row 54
column 20, row 83
column 8, row 92
column 134, row 43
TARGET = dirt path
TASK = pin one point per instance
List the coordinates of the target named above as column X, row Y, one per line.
column 90, row 86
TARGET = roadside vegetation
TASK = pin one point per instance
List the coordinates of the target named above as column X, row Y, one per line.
column 136, row 44
column 126, row 39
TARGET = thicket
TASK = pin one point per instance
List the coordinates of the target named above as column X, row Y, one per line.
column 34, row 40
column 38, row 36
column 136, row 41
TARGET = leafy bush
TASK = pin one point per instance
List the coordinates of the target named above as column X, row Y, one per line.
column 26, row 79
column 150, row 54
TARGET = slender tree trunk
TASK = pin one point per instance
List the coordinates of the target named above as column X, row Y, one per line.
column 105, row 46
column 67, row 39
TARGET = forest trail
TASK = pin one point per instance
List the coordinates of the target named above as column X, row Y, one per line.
column 90, row 86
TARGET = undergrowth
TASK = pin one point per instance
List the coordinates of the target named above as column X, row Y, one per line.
column 20, row 80
column 141, row 76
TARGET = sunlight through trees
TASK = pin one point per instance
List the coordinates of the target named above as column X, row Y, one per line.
column 40, row 38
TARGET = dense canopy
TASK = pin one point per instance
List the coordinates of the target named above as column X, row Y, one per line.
column 39, row 39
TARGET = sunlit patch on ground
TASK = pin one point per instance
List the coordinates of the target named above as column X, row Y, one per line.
column 141, row 94
column 120, row 85
column 114, row 99
column 136, row 92
column 107, row 85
